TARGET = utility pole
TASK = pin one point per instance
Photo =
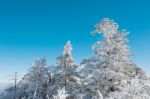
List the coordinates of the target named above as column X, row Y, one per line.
column 15, row 84
column 16, row 79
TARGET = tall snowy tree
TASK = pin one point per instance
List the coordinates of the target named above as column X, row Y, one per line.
column 66, row 60
column 110, row 67
column 67, row 74
column 112, row 52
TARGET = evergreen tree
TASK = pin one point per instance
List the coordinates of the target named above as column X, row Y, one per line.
column 110, row 67
column 136, row 89
column 66, row 60
column 38, row 78
column 67, row 75
column 61, row 94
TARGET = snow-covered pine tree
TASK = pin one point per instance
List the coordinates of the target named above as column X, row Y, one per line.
column 66, row 60
column 22, row 86
column 38, row 77
column 8, row 93
column 112, row 54
column 111, row 66
column 136, row 89
column 67, row 75
column 61, row 94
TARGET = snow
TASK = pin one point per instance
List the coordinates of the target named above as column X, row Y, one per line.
column 109, row 74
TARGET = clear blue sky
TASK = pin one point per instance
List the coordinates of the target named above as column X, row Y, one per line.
column 36, row 28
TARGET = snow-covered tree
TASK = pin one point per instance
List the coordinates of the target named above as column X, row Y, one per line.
column 66, row 60
column 67, row 75
column 38, row 77
column 61, row 94
column 112, row 52
column 98, row 95
column 110, row 67
column 8, row 93
column 136, row 89
column 22, row 86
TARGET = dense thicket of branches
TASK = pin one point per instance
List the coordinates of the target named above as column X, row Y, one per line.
column 109, row 74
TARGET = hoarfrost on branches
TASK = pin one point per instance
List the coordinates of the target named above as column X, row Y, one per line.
column 61, row 94
column 108, row 74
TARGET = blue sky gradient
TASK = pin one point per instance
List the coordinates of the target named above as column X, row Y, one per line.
column 36, row 28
